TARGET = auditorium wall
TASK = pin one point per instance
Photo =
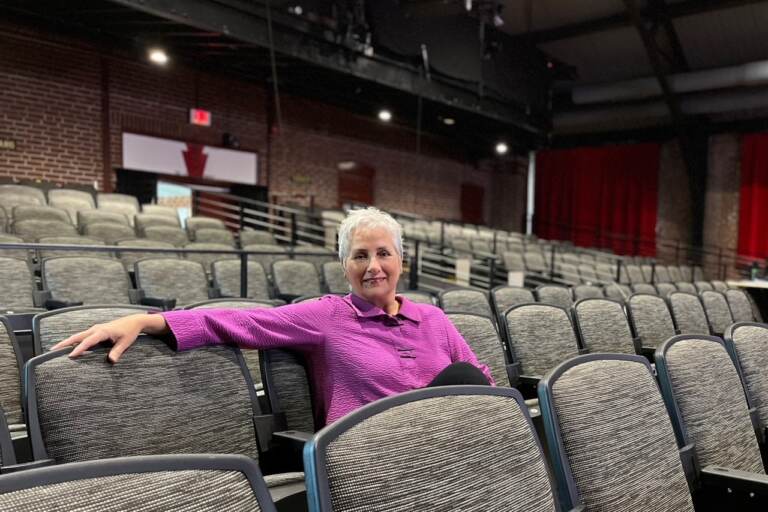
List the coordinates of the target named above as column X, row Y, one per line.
column 51, row 92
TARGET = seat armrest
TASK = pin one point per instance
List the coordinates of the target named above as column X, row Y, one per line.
column 39, row 297
column 530, row 380
column 266, row 425
column 14, row 468
column 513, row 373
column 135, row 295
column 638, row 343
column 292, row 439
column 60, row 304
column 164, row 304
column 214, row 293
column 734, row 480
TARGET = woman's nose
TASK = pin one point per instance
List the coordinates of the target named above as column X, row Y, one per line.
column 373, row 264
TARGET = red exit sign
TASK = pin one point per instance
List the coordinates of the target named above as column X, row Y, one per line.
column 200, row 117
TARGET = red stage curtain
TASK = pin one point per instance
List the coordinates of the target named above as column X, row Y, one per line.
column 753, row 197
column 599, row 197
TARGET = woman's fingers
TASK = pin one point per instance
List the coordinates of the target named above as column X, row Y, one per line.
column 72, row 340
column 121, row 346
column 96, row 337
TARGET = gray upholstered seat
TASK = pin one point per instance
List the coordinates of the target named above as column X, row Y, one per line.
column 333, row 276
column 475, row 447
column 461, row 246
column 571, row 258
column 287, row 388
column 199, row 222
column 465, row 300
column 226, row 277
column 39, row 212
column 172, row 483
column 587, row 291
column 32, row 229
column 707, row 402
column 534, row 262
column 603, row 326
column 650, row 318
column 207, row 258
column 294, row 278
column 648, row 272
column 142, row 221
column 688, row 313
column 749, row 343
column 315, row 255
column 741, row 307
column 160, row 209
column 164, row 278
column 86, row 217
column 587, row 258
column 662, row 274
column 588, row 273
column 540, row 337
column 266, row 254
column 718, row 312
column 606, row 272
column 70, row 240
column 118, row 203
column 596, row 409
column 643, row 288
column 635, row 274
column 482, row 337
column 13, row 195
column 719, row 286
column 698, row 273
column 685, row 286
column 702, row 286
column 21, row 254
column 54, row 326
column 418, row 296
column 109, row 232
column 481, row 246
column 10, row 376
column 169, row 234
column 86, row 279
column 674, row 273
column 513, row 261
column 664, row 289
column 18, row 284
column 686, row 272
column 555, row 295
column 504, row 297
column 569, row 273
column 252, row 236
column 130, row 258
column 215, row 236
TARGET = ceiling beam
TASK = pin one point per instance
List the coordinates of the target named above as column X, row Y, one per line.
column 622, row 19
column 247, row 26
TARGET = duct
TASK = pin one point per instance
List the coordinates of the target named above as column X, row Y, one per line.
column 746, row 75
column 656, row 112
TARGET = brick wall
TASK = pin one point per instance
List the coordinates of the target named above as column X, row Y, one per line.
column 673, row 221
column 51, row 94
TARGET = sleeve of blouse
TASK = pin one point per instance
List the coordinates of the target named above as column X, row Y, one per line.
column 297, row 326
column 460, row 350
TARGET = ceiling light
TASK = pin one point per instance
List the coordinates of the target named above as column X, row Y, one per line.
column 385, row 115
column 468, row 5
column 449, row 121
column 158, row 56
column 502, row 148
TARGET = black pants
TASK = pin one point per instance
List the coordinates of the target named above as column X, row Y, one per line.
column 459, row 374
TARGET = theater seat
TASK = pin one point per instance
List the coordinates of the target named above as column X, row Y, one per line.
column 294, row 278
column 650, row 319
column 482, row 337
column 465, row 300
column 718, row 312
column 180, row 281
column 75, row 280
column 554, row 294
column 688, row 313
column 226, row 277
column 603, row 326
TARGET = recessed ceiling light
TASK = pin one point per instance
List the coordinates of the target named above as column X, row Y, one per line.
column 449, row 121
column 385, row 115
column 502, row 148
column 158, row 56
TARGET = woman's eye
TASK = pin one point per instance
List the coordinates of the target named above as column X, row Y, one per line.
column 360, row 257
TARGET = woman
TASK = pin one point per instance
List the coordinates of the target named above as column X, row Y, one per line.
column 359, row 348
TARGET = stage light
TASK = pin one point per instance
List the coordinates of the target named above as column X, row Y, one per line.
column 501, row 148
column 158, row 56
column 385, row 115
column 449, row 121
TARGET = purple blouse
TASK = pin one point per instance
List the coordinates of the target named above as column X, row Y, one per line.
column 356, row 353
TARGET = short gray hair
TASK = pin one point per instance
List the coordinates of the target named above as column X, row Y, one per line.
column 368, row 218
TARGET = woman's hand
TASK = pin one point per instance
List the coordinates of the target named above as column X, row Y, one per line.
column 121, row 332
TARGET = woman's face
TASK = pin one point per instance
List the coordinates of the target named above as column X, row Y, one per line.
column 373, row 266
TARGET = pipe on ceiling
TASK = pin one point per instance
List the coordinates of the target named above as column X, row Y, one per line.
column 745, row 75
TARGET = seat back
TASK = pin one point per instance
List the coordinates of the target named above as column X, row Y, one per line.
column 718, row 312
column 635, row 274
column 687, row 287
column 333, row 276
column 588, row 273
column 686, row 272
column 32, row 229
column 702, row 286
column 288, row 389
column 252, row 236
column 719, row 286
column 555, row 295
column 513, row 262
column 664, row 289
column 10, row 375
column 153, row 398
column 86, row 279
column 419, row 297
column 70, row 240
column 206, row 259
column 606, row 272
column 540, row 337
column 674, row 273
column 129, row 259
column 369, row 456
column 650, row 319
column 160, row 209
column 616, row 291
column 215, row 236
column 482, row 337
column 504, row 297
column 741, row 307
column 39, row 212
column 170, row 234
column 465, row 300
column 21, row 194
column 296, row 278
column 314, row 254
column 54, row 326
column 688, row 313
column 21, row 254
column 587, row 291
column 662, row 274
column 263, row 256
column 226, row 277
column 748, row 344
column 18, row 284
column 198, row 222
column 569, row 273
column 85, row 217
column 119, row 203
column 603, row 326
column 706, row 399
column 534, row 262
column 644, row 288
column 110, row 232
column 165, row 278
column 144, row 220
column 595, row 409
